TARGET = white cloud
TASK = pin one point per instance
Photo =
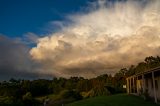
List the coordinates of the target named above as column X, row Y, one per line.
column 101, row 41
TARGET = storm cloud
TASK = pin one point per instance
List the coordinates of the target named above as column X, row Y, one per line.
column 102, row 40
column 15, row 60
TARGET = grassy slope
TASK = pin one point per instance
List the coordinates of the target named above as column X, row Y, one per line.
column 114, row 100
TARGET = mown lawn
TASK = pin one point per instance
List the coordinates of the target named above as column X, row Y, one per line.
column 114, row 100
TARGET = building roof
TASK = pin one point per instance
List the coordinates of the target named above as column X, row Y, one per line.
column 147, row 71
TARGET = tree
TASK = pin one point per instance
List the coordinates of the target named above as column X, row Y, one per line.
column 27, row 96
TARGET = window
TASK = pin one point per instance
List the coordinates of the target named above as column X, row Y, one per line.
column 146, row 83
column 156, row 84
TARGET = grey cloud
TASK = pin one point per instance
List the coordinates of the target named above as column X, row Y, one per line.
column 15, row 61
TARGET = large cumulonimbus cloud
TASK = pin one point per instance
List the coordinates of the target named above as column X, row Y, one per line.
column 101, row 41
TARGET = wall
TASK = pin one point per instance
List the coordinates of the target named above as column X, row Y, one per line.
column 150, row 87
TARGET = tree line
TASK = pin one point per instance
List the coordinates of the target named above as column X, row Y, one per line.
column 23, row 92
column 26, row 92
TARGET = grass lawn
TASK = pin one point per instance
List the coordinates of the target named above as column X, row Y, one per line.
column 114, row 100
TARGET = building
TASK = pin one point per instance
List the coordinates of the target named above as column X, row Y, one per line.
column 147, row 82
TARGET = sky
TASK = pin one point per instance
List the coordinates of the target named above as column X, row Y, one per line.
column 64, row 38
column 18, row 17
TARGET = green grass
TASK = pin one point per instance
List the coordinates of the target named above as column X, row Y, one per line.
column 114, row 100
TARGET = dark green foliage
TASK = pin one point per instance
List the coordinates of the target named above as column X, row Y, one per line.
column 10, row 89
column 27, row 97
column 97, row 91
column 70, row 94
column 10, row 101
column 28, row 100
column 40, row 87
column 111, row 89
